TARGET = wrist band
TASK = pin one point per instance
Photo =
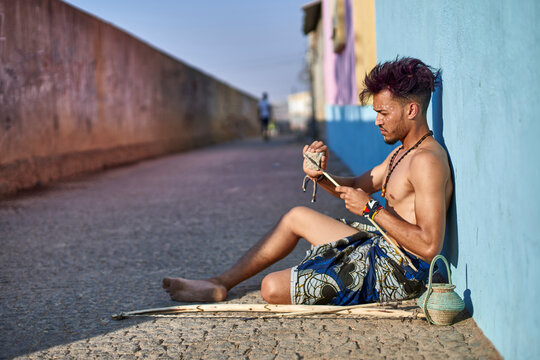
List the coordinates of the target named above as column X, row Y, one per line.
column 372, row 208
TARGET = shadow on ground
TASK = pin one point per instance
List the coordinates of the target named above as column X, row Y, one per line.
column 77, row 252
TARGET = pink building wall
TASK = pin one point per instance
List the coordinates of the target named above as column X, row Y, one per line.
column 339, row 69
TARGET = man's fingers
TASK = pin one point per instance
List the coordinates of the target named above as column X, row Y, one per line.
column 317, row 146
column 319, row 173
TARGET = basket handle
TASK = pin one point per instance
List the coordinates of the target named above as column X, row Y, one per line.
column 428, row 292
column 433, row 265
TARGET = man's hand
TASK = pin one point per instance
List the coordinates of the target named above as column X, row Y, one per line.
column 355, row 199
column 316, row 146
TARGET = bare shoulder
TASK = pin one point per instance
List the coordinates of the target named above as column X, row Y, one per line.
column 429, row 160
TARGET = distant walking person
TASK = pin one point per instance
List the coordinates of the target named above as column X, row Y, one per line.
column 264, row 110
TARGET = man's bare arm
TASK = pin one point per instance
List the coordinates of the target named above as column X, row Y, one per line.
column 429, row 177
column 370, row 181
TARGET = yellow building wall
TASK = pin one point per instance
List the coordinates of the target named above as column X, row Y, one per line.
column 365, row 46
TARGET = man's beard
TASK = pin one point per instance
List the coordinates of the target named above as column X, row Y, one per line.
column 391, row 141
column 399, row 133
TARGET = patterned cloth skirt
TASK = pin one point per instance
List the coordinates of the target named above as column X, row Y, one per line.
column 358, row 269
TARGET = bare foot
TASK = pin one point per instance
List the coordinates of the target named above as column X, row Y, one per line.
column 194, row 290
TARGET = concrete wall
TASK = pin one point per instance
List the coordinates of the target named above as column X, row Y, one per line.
column 485, row 115
column 317, row 51
column 77, row 94
column 489, row 53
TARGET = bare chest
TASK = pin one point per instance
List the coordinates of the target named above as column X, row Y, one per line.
column 400, row 192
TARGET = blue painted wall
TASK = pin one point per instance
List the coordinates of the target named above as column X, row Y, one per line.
column 352, row 135
column 486, row 114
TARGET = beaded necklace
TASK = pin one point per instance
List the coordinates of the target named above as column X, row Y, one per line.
column 391, row 168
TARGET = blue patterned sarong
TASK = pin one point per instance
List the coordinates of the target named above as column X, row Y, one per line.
column 358, row 269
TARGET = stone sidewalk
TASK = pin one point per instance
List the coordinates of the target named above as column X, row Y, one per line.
column 75, row 253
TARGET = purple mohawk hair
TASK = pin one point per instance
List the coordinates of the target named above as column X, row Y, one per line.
column 406, row 78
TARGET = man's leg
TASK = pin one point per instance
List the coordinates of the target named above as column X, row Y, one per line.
column 299, row 222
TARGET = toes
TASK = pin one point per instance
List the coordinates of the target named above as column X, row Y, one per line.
column 166, row 283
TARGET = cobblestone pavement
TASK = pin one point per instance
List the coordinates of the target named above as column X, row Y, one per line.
column 75, row 253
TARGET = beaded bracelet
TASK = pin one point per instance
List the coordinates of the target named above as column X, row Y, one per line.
column 372, row 208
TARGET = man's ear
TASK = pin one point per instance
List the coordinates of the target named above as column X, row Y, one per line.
column 413, row 110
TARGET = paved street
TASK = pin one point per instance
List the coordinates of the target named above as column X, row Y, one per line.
column 77, row 252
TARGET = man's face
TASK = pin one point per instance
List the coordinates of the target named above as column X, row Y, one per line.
column 391, row 116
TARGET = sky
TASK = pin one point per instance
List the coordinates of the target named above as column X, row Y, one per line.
column 252, row 45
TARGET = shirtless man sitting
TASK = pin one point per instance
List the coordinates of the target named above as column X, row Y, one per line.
column 350, row 263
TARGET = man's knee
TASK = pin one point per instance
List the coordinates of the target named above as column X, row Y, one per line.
column 295, row 214
column 274, row 291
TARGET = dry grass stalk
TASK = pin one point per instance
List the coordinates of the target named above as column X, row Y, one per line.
column 276, row 310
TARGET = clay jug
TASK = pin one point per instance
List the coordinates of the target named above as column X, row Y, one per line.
column 440, row 302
